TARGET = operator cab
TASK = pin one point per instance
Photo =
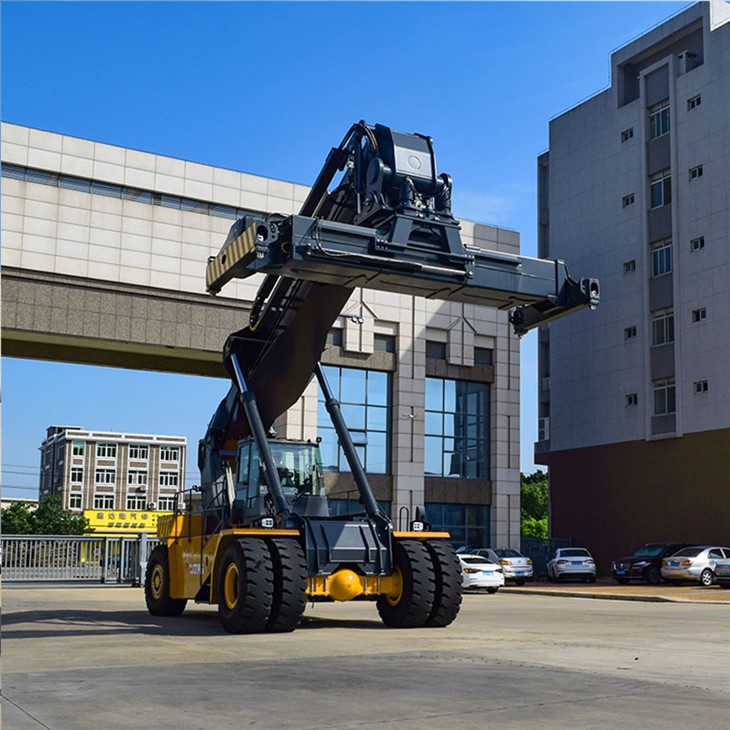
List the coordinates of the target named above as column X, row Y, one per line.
column 300, row 472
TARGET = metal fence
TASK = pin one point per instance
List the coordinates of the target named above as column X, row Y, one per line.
column 541, row 550
column 87, row 559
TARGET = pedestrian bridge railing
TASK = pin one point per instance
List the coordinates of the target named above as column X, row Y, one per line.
column 79, row 559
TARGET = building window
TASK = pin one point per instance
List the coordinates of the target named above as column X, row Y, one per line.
column 137, row 478
column 632, row 399
column 697, row 244
column 105, row 476
column 627, row 134
column 628, row 200
column 106, row 451
column 77, row 475
column 103, row 501
column 136, row 501
column 629, row 333
column 629, row 266
column 483, row 356
column 694, row 102
column 695, row 172
column 468, row 524
column 364, row 396
column 334, row 338
column 75, row 500
column 436, row 350
column 664, row 397
column 77, row 448
column 663, row 326
column 659, row 122
column 169, row 453
column 661, row 259
column 661, row 190
column 384, row 343
column 166, row 504
column 701, row 386
column 169, row 479
column 543, row 429
column 139, row 452
column 699, row 314
column 457, row 429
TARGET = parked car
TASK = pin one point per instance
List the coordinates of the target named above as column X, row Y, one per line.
column 574, row 562
column 693, row 563
column 478, row 572
column 645, row 564
column 721, row 570
column 515, row 565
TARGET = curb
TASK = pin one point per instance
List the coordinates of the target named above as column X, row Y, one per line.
column 609, row 596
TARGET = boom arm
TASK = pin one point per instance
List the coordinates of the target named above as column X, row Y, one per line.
column 387, row 225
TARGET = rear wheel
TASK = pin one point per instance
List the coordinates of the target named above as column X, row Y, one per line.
column 157, row 585
column 492, row 590
column 290, row 585
column 413, row 604
column 447, row 579
column 706, row 577
column 245, row 581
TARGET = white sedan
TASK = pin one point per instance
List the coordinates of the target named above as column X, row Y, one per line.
column 572, row 563
column 478, row 572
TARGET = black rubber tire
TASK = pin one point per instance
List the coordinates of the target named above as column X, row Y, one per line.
column 621, row 581
column 592, row 579
column 290, row 585
column 519, row 581
column 653, row 576
column 707, row 578
column 492, row 590
column 414, row 606
column 157, row 585
column 252, row 580
column 447, row 583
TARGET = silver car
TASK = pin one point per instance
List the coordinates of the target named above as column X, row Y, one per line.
column 516, row 566
column 693, row 564
column 574, row 562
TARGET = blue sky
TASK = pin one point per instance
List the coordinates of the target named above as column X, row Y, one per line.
column 268, row 88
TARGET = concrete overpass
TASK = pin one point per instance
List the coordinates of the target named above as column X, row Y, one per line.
column 104, row 252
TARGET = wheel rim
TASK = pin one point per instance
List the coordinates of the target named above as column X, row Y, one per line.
column 394, row 597
column 706, row 578
column 157, row 581
column 230, row 585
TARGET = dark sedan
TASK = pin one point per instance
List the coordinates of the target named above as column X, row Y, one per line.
column 646, row 563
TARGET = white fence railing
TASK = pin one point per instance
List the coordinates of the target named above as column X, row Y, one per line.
column 88, row 559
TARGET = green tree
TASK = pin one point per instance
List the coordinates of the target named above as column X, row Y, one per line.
column 50, row 518
column 534, row 504
column 17, row 519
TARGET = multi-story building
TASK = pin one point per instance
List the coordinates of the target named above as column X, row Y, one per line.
column 634, row 398
column 112, row 472
column 105, row 247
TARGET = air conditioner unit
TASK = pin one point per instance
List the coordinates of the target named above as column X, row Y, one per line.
column 151, row 505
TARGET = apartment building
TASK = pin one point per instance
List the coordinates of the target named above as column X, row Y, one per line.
column 112, row 472
column 634, row 400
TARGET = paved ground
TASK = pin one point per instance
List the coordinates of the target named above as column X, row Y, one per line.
column 78, row 658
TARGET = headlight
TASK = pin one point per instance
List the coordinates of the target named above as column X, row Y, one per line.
column 641, row 563
column 505, row 562
column 529, row 562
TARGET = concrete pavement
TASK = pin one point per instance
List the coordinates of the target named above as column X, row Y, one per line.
column 77, row 658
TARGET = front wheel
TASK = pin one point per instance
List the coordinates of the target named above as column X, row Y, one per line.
column 245, row 594
column 520, row 582
column 157, row 585
column 653, row 576
column 621, row 581
column 492, row 590
column 411, row 606
column 707, row 578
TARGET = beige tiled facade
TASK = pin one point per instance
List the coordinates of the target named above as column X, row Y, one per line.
column 154, row 238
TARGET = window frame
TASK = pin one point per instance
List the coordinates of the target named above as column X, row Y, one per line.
column 660, row 121
column 668, row 388
column 102, row 447
column 663, row 183
column 662, row 259
column 665, row 319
